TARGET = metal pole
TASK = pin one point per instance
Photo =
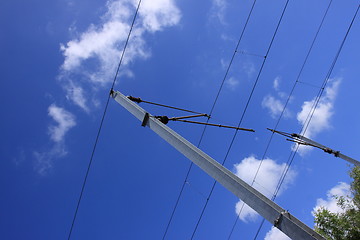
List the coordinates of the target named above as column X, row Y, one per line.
column 276, row 215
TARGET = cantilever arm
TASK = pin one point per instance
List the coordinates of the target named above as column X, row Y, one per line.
column 299, row 139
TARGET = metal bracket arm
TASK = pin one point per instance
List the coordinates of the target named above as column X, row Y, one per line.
column 299, row 139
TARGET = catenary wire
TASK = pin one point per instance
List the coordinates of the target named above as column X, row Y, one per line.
column 243, row 113
column 283, row 111
column 310, row 115
column 211, row 111
column 101, row 124
column 326, row 80
column 329, row 72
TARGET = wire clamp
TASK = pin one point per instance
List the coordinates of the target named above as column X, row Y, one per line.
column 135, row 99
column 113, row 93
column 163, row 119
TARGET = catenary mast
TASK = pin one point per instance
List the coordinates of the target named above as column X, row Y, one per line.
column 272, row 212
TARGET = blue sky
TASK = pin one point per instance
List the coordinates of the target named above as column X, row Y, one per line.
column 58, row 61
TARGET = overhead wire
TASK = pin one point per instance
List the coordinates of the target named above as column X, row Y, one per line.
column 284, row 109
column 210, row 113
column 326, row 80
column 310, row 115
column 101, row 123
column 329, row 73
column 243, row 113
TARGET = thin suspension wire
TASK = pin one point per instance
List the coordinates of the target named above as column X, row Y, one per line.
column 243, row 114
column 251, row 54
column 139, row 100
column 283, row 111
column 310, row 115
column 100, row 126
column 211, row 111
column 309, row 84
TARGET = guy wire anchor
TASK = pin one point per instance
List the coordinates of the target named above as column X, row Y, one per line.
column 299, row 139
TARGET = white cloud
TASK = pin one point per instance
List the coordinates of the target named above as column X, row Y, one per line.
column 218, row 10
column 276, row 83
column 64, row 122
column 224, row 64
column 226, row 37
column 266, row 180
column 91, row 59
column 158, row 14
column 321, row 118
column 342, row 189
column 232, row 83
column 274, row 106
column 64, row 119
column 76, row 94
column 249, row 68
column 44, row 160
column 276, row 234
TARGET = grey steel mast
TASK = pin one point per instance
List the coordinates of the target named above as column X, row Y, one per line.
column 272, row 212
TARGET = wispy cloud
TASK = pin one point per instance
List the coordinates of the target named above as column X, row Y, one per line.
column 218, row 10
column 76, row 94
column 249, row 68
column 321, row 117
column 342, row 189
column 64, row 121
column 266, row 181
column 157, row 14
column 44, row 160
column 275, row 234
column 323, row 112
column 276, row 83
column 232, row 83
column 92, row 57
column 275, row 105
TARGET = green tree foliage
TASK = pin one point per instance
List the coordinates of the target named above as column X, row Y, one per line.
column 344, row 225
